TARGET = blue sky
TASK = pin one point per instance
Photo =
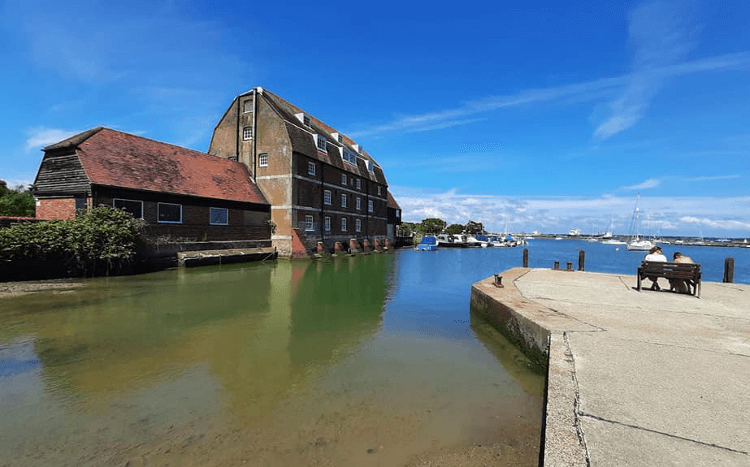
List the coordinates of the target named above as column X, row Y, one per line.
column 541, row 116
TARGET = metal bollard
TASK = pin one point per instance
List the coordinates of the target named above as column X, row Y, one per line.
column 570, row 266
column 557, row 265
column 498, row 281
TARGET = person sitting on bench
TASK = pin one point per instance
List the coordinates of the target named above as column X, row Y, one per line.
column 680, row 285
column 655, row 254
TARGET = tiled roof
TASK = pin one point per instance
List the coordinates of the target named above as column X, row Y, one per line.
column 392, row 202
column 114, row 158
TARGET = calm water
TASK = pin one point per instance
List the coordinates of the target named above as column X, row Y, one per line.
column 359, row 361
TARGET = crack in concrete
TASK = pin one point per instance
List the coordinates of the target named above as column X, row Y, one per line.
column 614, row 422
column 576, row 399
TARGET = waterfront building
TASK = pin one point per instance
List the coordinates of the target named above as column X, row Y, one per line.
column 322, row 185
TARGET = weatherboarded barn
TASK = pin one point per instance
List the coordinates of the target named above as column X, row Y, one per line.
column 180, row 193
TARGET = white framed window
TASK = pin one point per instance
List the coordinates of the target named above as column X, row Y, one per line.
column 327, row 197
column 309, row 223
column 380, row 191
column 303, row 118
column 263, row 160
column 247, row 133
column 358, row 225
column 328, row 224
column 321, row 143
column 169, row 213
column 358, row 203
column 349, row 157
column 219, row 216
column 343, row 200
column 310, row 168
column 370, row 205
column 343, row 179
column 359, row 184
column 343, row 224
column 398, row 213
column 135, row 208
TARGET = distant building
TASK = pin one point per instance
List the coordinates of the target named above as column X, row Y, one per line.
column 179, row 192
column 323, row 187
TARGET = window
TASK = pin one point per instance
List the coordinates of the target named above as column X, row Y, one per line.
column 170, row 213
column 398, row 213
column 339, row 138
column 135, row 208
column 343, row 179
column 247, row 106
column 343, row 224
column 321, row 143
column 309, row 223
column 327, row 196
column 359, row 184
column 380, row 191
column 310, row 168
column 219, row 216
column 369, row 205
column 263, row 160
column 343, row 200
column 303, row 118
column 247, row 133
column 328, row 224
column 358, row 203
column 349, row 157
column 358, row 225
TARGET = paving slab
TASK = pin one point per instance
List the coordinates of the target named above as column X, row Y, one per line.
column 634, row 378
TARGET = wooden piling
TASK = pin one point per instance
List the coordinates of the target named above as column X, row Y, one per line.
column 728, row 270
column 526, row 257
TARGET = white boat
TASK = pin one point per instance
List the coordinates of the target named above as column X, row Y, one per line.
column 612, row 241
column 574, row 232
column 636, row 242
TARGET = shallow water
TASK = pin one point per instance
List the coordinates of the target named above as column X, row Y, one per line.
column 371, row 360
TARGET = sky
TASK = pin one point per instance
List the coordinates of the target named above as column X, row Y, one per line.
column 525, row 116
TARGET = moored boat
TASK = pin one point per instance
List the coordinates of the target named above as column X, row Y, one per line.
column 428, row 243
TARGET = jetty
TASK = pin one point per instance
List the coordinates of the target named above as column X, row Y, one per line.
column 633, row 378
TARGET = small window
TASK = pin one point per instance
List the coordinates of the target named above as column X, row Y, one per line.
column 343, row 179
column 263, row 160
column 328, row 224
column 219, row 216
column 310, row 168
column 247, row 106
column 135, row 208
column 359, row 184
column 309, row 223
column 369, row 205
column 398, row 213
column 380, row 191
column 343, row 200
column 358, row 203
column 327, row 197
column 321, row 143
column 343, row 224
column 170, row 213
column 339, row 138
column 358, row 225
column 306, row 120
column 247, row 133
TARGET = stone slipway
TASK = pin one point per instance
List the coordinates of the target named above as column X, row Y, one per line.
column 634, row 378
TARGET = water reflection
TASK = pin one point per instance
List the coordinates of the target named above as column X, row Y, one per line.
column 287, row 363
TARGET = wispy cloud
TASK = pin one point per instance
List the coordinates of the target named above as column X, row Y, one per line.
column 645, row 185
column 636, row 88
column 40, row 137
column 712, row 178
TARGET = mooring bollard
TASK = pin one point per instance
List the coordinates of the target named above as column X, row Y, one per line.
column 498, row 280
column 570, row 266
column 582, row 260
column 728, row 270
column 557, row 265
column 526, row 257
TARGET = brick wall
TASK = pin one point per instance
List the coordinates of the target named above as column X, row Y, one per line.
column 56, row 208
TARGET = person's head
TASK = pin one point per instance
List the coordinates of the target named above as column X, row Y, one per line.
column 655, row 250
column 676, row 255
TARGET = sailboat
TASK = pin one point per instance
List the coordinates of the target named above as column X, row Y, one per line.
column 636, row 242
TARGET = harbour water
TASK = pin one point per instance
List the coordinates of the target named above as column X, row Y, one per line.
column 371, row 360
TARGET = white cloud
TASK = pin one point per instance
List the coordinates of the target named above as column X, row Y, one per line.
column 650, row 183
column 40, row 137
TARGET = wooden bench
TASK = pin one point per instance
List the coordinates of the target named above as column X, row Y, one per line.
column 690, row 273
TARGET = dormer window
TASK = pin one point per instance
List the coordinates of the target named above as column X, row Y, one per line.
column 348, row 156
column 321, row 143
column 357, row 148
column 303, row 118
column 370, row 166
column 339, row 137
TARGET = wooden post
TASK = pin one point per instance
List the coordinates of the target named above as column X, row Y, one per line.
column 582, row 260
column 526, row 257
column 728, row 270
column 557, row 265
column 570, row 265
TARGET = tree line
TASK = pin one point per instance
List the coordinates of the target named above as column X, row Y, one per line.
column 16, row 202
column 435, row 225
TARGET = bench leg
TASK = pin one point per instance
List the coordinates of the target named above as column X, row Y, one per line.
column 638, row 287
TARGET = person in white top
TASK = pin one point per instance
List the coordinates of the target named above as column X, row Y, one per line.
column 655, row 254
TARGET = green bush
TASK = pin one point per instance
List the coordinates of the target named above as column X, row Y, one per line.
column 99, row 238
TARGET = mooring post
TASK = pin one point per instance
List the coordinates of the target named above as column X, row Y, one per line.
column 729, row 270
column 582, row 260
column 557, row 265
column 526, row 257
column 570, row 265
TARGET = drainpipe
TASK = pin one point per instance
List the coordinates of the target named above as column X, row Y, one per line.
column 255, row 136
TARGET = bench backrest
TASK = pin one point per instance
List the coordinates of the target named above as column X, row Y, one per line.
column 657, row 267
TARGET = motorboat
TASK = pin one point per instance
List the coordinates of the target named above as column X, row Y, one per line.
column 428, row 243
column 448, row 241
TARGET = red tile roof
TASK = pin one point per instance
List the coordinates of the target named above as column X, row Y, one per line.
column 392, row 202
column 114, row 158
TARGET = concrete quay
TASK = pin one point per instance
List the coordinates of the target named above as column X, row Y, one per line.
column 650, row 378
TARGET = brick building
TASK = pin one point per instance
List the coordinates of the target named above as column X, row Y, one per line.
column 323, row 187
column 179, row 192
